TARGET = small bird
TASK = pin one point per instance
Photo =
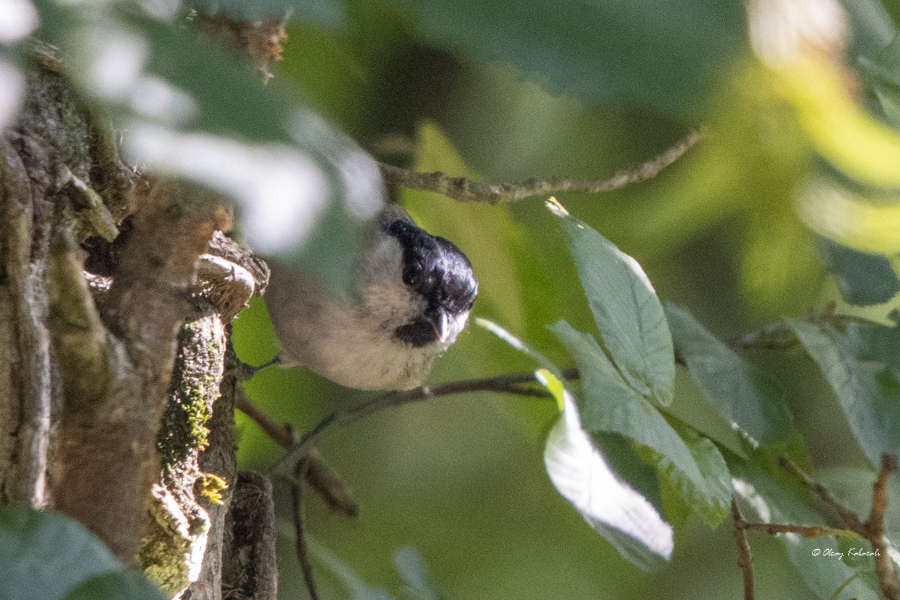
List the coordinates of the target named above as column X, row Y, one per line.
column 410, row 297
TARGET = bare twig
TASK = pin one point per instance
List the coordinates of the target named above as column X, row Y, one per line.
column 873, row 529
column 846, row 514
column 807, row 532
column 885, row 570
column 283, row 435
column 745, row 557
column 318, row 474
column 780, row 336
column 510, row 383
column 301, row 470
column 775, row 336
column 464, row 190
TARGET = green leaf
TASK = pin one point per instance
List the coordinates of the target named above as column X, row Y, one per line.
column 862, row 368
column 609, row 505
column 43, row 554
column 625, row 307
column 665, row 54
column 695, row 468
column 126, row 585
column 711, row 499
column 871, row 27
column 863, row 279
column 742, row 394
column 766, row 501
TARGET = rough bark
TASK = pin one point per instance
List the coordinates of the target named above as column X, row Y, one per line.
column 115, row 407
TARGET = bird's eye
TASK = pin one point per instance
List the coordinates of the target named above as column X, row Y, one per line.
column 418, row 333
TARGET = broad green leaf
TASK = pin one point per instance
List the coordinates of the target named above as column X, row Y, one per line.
column 871, row 27
column 882, row 75
column 858, row 555
column 125, row 585
column 609, row 404
column 762, row 499
column 863, row 279
column 44, row 554
column 742, row 394
column 665, row 54
column 711, row 499
column 625, row 307
column 866, row 384
column 609, row 505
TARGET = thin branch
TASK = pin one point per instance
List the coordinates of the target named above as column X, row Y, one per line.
column 885, row 570
column 335, row 494
column 510, row 383
column 873, row 529
column 301, row 470
column 464, row 190
column 846, row 514
column 318, row 474
column 780, row 336
column 283, row 435
column 807, row 532
column 745, row 557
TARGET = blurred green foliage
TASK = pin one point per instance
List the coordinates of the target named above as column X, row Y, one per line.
column 436, row 86
column 46, row 556
column 507, row 91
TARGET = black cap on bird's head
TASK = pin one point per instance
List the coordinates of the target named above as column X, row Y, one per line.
column 440, row 273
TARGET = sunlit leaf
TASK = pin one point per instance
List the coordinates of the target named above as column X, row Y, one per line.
column 850, row 218
column 611, row 405
column 610, row 506
column 663, row 54
column 742, row 394
column 625, row 307
column 841, row 131
column 862, row 368
column 44, row 554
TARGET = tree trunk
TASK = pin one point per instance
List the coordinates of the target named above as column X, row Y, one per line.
column 91, row 363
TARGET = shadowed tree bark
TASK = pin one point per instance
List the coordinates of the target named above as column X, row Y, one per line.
column 115, row 408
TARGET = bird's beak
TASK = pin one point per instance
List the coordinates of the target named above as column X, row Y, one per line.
column 441, row 323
